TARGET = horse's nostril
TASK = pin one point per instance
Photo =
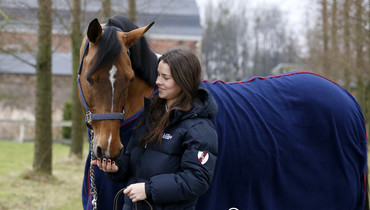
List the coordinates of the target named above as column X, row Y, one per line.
column 99, row 152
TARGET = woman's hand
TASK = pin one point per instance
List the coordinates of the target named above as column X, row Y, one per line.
column 136, row 192
column 106, row 165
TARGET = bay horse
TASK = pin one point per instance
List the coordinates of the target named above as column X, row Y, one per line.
column 290, row 141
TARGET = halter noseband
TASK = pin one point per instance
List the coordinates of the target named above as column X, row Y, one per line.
column 89, row 117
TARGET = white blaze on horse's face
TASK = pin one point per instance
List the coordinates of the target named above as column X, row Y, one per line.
column 107, row 153
column 112, row 73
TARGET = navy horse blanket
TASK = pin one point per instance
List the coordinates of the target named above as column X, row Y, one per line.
column 292, row 141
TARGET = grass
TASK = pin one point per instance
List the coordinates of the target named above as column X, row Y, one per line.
column 21, row 188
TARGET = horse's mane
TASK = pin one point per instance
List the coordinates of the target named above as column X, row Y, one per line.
column 143, row 60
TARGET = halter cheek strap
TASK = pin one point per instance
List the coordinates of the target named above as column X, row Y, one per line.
column 89, row 117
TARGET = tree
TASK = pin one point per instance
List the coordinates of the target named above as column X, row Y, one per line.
column 273, row 43
column 106, row 9
column 43, row 133
column 359, row 46
column 78, row 130
column 220, row 38
column 333, row 37
column 132, row 10
column 235, row 45
column 367, row 95
column 347, row 42
column 325, row 34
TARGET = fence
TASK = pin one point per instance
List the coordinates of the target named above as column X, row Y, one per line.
column 21, row 130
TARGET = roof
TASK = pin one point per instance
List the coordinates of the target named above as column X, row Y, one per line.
column 176, row 18
column 174, row 7
column 11, row 65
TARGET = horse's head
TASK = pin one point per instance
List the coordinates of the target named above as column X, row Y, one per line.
column 104, row 78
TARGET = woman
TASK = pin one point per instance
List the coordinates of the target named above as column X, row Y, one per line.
column 172, row 154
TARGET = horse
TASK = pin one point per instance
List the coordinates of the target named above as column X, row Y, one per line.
column 289, row 141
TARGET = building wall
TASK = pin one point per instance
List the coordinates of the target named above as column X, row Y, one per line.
column 17, row 96
column 17, row 102
column 161, row 46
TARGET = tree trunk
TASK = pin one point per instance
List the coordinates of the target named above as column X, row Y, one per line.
column 325, row 36
column 367, row 31
column 367, row 92
column 333, row 40
column 132, row 10
column 367, row 117
column 347, row 46
column 359, row 35
column 334, row 28
column 106, row 9
column 43, row 129
column 78, row 129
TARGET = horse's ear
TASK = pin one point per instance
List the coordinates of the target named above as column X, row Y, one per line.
column 133, row 36
column 94, row 31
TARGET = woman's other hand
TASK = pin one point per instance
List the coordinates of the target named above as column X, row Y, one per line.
column 136, row 192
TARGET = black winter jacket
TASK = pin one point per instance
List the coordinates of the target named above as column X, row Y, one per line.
column 180, row 169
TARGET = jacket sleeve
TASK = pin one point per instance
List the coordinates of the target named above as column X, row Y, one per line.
column 197, row 167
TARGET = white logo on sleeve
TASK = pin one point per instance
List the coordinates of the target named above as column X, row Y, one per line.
column 203, row 157
column 167, row 136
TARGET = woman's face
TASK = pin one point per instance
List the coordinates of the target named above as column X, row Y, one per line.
column 167, row 87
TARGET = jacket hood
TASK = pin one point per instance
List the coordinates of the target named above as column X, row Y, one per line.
column 204, row 106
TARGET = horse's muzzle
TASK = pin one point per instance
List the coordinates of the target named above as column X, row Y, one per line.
column 100, row 154
column 118, row 156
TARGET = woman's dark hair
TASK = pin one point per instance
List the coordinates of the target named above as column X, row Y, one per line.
column 186, row 71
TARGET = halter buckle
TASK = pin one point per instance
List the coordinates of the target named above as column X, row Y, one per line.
column 88, row 117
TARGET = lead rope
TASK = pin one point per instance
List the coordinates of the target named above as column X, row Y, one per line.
column 115, row 204
column 93, row 192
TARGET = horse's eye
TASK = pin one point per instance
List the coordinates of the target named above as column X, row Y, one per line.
column 90, row 80
column 132, row 79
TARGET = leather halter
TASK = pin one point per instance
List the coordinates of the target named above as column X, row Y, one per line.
column 89, row 117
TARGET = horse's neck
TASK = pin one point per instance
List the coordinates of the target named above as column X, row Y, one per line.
column 135, row 98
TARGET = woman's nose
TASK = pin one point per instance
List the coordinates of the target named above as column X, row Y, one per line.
column 158, row 81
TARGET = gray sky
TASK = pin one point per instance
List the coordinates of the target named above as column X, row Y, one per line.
column 295, row 9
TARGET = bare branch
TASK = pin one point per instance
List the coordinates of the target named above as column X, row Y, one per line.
column 15, row 55
column 6, row 20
